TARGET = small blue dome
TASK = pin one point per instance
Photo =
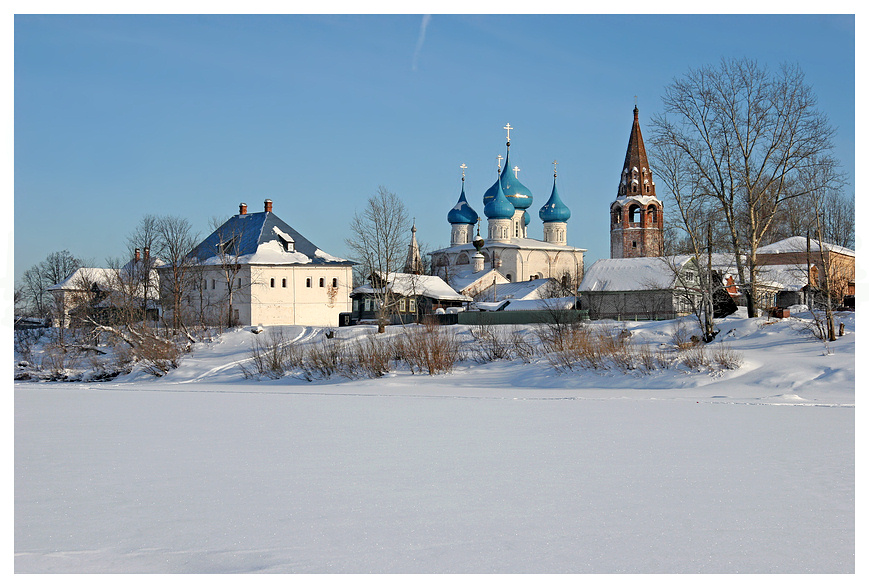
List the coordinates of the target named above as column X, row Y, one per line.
column 499, row 207
column 554, row 210
column 462, row 213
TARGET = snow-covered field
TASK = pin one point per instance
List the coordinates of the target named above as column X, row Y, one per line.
column 502, row 467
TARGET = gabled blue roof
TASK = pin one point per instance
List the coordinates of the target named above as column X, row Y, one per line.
column 244, row 233
column 462, row 213
column 554, row 210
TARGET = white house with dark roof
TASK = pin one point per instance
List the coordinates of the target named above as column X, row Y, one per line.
column 255, row 269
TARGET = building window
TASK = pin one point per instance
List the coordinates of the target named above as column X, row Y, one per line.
column 239, row 282
column 307, row 282
column 367, row 304
column 322, row 282
column 401, row 305
column 213, row 284
column 272, row 282
column 634, row 244
column 283, row 282
column 334, row 282
column 411, row 305
column 510, row 277
column 355, row 305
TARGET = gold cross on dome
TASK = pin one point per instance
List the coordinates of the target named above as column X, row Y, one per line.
column 516, row 170
column 499, row 161
column 464, row 167
column 509, row 128
column 555, row 166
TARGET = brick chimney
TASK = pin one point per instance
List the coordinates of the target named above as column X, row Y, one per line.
column 242, row 208
column 137, row 254
column 147, row 253
column 268, row 204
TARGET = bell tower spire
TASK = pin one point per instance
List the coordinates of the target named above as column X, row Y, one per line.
column 636, row 216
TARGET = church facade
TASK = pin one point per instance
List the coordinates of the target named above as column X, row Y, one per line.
column 507, row 254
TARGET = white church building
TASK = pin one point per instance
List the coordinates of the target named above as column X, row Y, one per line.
column 506, row 254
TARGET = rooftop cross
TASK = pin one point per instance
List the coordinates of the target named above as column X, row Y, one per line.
column 509, row 128
column 464, row 167
column 555, row 167
column 499, row 162
column 516, row 170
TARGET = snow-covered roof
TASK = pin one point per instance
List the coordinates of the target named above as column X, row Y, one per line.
column 106, row 279
column 416, row 285
column 798, row 245
column 782, row 277
column 528, row 290
column 463, row 279
column 261, row 238
column 626, row 275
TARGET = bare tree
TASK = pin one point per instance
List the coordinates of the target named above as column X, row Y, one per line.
column 746, row 133
column 55, row 268
column 378, row 241
column 175, row 241
column 228, row 254
column 140, row 272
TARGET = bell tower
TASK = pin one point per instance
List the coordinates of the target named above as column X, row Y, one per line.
column 636, row 216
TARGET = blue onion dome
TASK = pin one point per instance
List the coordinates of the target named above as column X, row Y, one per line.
column 499, row 207
column 516, row 192
column 462, row 213
column 491, row 192
column 554, row 210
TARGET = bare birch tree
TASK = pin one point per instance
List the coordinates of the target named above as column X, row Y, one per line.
column 746, row 133
column 175, row 241
column 378, row 242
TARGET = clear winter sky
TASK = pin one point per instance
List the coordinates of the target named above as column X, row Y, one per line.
column 121, row 116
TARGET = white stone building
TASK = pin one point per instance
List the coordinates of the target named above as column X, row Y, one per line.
column 257, row 270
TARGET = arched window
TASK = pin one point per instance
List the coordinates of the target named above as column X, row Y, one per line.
column 635, row 213
column 509, row 277
column 272, row 282
column 307, row 282
column 462, row 259
column 617, row 215
column 283, row 282
column 652, row 214
column 322, row 282
column 334, row 282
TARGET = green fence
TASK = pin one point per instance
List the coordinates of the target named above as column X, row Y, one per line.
column 520, row 317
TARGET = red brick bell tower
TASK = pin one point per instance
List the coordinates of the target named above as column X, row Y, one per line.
column 636, row 216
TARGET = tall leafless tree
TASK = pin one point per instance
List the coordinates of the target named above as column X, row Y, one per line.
column 378, row 242
column 746, row 133
column 55, row 268
column 175, row 240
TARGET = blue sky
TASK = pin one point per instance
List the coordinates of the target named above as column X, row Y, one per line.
column 121, row 116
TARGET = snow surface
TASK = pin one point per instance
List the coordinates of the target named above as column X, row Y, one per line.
column 503, row 467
